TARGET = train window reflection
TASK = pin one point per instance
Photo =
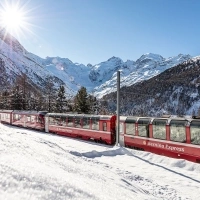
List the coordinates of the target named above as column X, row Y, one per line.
column 143, row 130
column 143, row 127
column 63, row 121
column 95, row 123
column 51, row 120
column 195, row 133
column 130, row 129
column 70, row 122
column 177, row 131
column 77, row 122
column 86, row 122
column 159, row 129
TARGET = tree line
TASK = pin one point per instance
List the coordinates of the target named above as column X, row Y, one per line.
column 22, row 96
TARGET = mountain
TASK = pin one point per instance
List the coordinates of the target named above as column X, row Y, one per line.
column 15, row 61
column 176, row 91
column 99, row 79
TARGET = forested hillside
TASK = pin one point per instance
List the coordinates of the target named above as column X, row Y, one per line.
column 176, row 91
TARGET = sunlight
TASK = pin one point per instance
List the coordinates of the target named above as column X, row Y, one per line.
column 13, row 17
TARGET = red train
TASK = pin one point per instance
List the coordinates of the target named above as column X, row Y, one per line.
column 172, row 137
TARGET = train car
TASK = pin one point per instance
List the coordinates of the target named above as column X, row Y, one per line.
column 6, row 116
column 29, row 119
column 87, row 127
column 172, row 137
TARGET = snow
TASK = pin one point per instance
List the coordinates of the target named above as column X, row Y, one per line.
column 36, row 165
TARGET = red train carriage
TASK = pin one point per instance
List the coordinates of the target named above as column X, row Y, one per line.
column 178, row 137
column 95, row 127
column 30, row 119
column 6, row 116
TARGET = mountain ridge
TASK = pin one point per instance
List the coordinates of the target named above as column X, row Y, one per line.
column 99, row 79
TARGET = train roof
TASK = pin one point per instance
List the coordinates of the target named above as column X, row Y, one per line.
column 79, row 115
column 27, row 112
column 6, row 111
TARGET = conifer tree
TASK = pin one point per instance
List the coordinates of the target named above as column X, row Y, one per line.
column 50, row 96
column 93, row 104
column 61, row 100
column 16, row 99
column 5, row 100
column 81, row 104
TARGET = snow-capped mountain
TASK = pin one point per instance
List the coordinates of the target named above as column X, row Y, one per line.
column 176, row 91
column 15, row 60
column 99, row 79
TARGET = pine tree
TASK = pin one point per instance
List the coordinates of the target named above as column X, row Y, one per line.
column 93, row 104
column 61, row 100
column 81, row 104
column 16, row 99
column 21, row 81
column 5, row 100
column 50, row 97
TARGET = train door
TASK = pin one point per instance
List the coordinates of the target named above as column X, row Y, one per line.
column 122, row 130
column 121, row 133
column 46, row 121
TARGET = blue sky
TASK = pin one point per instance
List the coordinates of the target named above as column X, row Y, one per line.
column 92, row 31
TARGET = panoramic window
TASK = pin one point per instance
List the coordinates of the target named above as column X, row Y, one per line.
column 70, row 121
column 51, row 120
column 63, row 121
column 95, row 124
column 86, row 122
column 159, row 129
column 77, row 122
column 177, row 131
column 143, row 127
column 130, row 129
column 195, row 133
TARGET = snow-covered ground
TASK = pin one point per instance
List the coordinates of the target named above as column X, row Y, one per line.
column 36, row 165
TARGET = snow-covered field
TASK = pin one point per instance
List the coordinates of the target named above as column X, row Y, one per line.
column 35, row 165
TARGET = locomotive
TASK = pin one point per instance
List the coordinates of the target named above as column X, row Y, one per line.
column 176, row 137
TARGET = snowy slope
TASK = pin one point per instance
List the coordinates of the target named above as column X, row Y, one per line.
column 35, row 165
column 17, row 61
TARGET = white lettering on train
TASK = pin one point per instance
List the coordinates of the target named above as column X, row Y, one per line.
column 166, row 146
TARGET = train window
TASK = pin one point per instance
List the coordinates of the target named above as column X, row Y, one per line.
column 77, row 122
column 28, row 118
column 7, row 116
column 104, row 126
column 143, row 127
column 70, row 121
column 63, row 121
column 177, row 131
column 130, row 129
column 51, row 120
column 195, row 133
column 15, row 117
column 86, row 122
column 143, row 130
column 159, row 129
column 32, row 118
column 95, row 123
